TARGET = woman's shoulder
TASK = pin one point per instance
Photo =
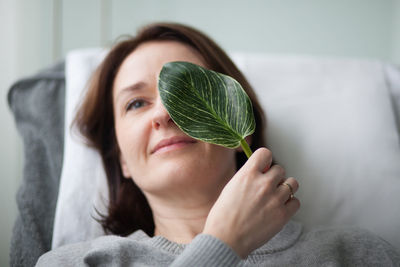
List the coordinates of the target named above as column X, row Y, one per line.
column 337, row 246
column 350, row 245
column 342, row 235
column 89, row 252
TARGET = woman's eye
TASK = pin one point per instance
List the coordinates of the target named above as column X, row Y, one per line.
column 135, row 104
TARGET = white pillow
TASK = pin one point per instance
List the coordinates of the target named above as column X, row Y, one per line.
column 83, row 184
column 331, row 124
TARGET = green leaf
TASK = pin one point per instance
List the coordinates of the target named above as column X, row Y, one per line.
column 206, row 105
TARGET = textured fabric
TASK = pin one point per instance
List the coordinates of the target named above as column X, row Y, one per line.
column 38, row 107
column 291, row 247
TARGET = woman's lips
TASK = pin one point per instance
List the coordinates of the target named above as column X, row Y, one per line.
column 172, row 144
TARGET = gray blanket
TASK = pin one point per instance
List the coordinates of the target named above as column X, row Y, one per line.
column 38, row 107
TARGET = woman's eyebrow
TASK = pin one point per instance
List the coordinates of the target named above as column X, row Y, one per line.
column 130, row 88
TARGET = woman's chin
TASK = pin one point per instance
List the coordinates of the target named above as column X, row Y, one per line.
column 185, row 171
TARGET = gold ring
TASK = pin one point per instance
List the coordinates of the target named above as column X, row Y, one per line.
column 290, row 188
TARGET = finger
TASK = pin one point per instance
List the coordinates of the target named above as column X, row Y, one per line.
column 292, row 206
column 287, row 189
column 262, row 159
column 275, row 176
column 293, row 183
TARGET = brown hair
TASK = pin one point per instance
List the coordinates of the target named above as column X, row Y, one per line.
column 128, row 209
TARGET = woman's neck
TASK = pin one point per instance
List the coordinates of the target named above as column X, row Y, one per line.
column 180, row 223
column 180, row 212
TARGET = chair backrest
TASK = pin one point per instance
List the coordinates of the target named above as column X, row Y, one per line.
column 332, row 123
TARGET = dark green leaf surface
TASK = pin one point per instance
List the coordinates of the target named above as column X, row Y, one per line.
column 205, row 104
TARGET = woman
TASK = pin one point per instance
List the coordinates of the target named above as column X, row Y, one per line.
column 178, row 201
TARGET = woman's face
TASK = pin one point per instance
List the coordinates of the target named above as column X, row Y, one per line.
column 155, row 153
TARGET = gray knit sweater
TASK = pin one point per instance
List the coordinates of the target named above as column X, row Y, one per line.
column 291, row 247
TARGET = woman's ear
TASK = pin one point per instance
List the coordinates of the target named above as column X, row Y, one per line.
column 248, row 139
column 124, row 167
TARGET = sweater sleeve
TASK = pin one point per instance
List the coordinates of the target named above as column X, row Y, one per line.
column 207, row 250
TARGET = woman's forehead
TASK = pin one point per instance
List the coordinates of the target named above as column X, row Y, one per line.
column 154, row 54
column 146, row 61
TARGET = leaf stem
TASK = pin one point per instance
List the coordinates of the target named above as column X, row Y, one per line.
column 246, row 148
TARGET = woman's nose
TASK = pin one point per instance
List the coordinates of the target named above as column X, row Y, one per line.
column 161, row 117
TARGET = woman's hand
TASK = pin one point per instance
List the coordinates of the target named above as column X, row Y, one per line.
column 254, row 205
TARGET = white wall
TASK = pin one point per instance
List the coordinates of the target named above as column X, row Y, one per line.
column 358, row 28
column 26, row 46
column 10, row 149
column 35, row 33
column 354, row 28
column 396, row 33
